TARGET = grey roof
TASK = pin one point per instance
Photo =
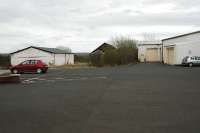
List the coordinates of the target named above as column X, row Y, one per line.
column 103, row 47
column 181, row 35
column 49, row 50
column 52, row 50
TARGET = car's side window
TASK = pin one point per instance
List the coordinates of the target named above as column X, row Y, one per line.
column 197, row 58
column 25, row 62
column 32, row 62
column 192, row 58
column 36, row 62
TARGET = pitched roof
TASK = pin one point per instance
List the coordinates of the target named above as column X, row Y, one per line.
column 52, row 50
column 181, row 35
column 49, row 50
column 103, row 47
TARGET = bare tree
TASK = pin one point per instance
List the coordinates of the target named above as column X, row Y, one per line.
column 67, row 49
column 123, row 41
column 149, row 37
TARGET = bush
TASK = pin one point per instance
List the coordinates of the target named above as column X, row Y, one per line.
column 4, row 61
column 82, row 58
column 126, row 52
column 97, row 59
column 124, row 42
column 126, row 49
column 127, row 55
column 111, row 57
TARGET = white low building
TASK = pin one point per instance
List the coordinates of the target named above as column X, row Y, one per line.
column 149, row 51
column 50, row 56
column 178, row 47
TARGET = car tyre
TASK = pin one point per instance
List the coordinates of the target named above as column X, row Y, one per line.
column 44, row 71
column 190, row 64
column 39, row 71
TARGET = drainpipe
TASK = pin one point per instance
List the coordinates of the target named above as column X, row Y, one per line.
column 65, row 59
column 162, row 53
column 54, row 59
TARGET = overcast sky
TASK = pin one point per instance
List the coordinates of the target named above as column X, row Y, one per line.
column 82, row 25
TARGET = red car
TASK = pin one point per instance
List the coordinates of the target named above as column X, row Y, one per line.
column 30, row 66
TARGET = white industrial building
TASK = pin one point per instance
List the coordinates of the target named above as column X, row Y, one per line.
column 178, row 47
column 149, row 51
column 50, row 56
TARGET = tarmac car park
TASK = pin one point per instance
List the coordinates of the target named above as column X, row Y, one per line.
column 134, row 98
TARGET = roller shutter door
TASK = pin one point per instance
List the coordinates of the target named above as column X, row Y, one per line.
column 152, row 55
column 170, row 56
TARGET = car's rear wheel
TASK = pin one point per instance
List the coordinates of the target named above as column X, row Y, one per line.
column 190, row 64
column 44, row 71
column 15, row 71
column 39, row 71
